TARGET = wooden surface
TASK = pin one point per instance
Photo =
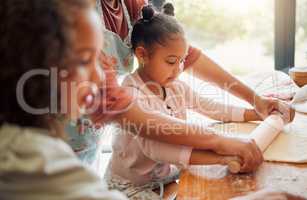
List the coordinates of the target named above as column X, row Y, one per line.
column 216, row 183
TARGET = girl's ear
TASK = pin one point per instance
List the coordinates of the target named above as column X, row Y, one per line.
column 141, row 53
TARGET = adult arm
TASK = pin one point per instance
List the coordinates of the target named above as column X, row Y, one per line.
column 206, row 69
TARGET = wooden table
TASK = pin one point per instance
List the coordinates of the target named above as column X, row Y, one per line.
column 216, row 183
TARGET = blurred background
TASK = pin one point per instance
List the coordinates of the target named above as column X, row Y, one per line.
column 238, row 34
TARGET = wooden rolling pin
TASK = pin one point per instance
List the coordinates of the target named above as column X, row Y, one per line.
column 263, row 135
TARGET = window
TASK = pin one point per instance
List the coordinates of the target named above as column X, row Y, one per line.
column 301, row 33
column 238, row 34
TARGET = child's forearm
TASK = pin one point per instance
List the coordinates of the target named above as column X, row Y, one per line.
column 163, row 128
column 201, row 157
column 251, row 115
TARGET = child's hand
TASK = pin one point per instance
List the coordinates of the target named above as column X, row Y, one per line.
column 246, row 149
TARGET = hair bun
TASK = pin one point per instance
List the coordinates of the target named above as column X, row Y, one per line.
column 148, row 12
column 168, row 9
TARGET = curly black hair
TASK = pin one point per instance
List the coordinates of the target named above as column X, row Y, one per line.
column 34, row 34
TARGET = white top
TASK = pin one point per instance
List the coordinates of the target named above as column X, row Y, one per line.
column 143, row 160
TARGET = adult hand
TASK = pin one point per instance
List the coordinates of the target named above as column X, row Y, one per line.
column 266, row 106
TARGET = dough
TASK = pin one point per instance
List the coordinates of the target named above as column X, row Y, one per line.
column 289, row 146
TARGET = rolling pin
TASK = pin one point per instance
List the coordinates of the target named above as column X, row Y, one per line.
column 263, row 135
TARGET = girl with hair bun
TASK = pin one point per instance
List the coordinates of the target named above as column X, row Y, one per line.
column 84, row 136
column 118, row 18
column 160, row 46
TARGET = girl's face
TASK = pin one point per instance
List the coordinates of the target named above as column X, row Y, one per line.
column 166, row 62
column 84, row 73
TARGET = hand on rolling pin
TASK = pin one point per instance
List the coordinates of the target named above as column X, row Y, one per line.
column 263, row 136
column 266, row 106
column 245, row 149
